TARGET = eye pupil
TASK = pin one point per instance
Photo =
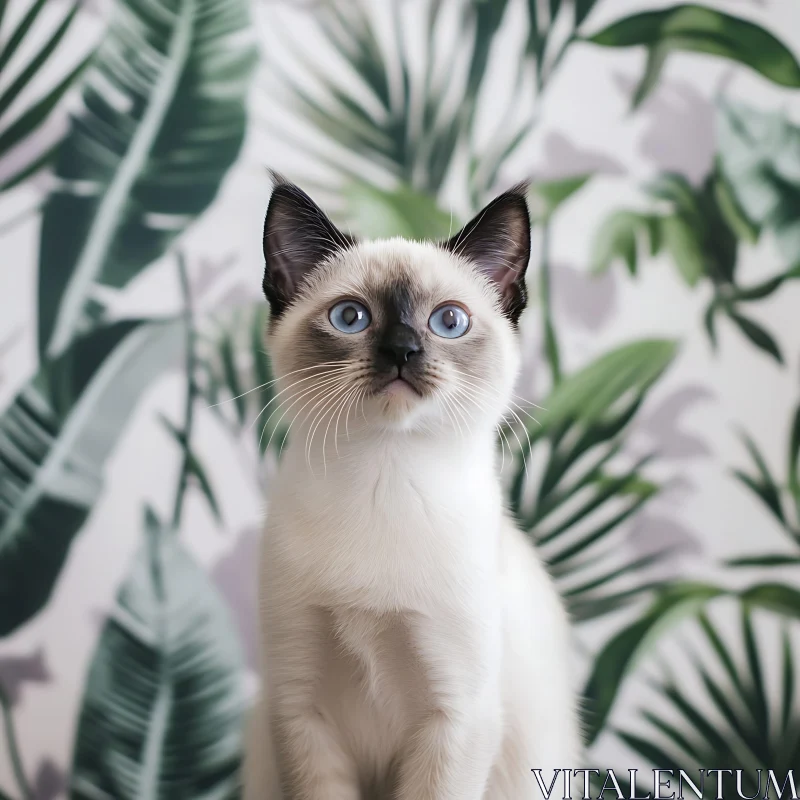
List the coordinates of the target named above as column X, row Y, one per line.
column 349, row 316
column 450, row 321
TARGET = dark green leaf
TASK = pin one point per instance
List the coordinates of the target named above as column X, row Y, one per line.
column 733, row 214
column 589, row 393
column 632, row 566
column 616, row 238
column 675, row 735
column 765, row 492
column 613, row 488
column 759, row 157
column 164, row 688
column 700, row 29
column 24, row 125
column 653, row 752
column 774, row 597
column 585, row 609
column 709, row 322
column 582, row 9
column 163, row 162
column 759, row 704
column 12, row 92
column 787, row 682
column 760, row 337
column 770, row 560
column 685, row 247
column 725, row 658
column 718, row 694
column 761, row 290
column 228, row 358
column 676, row 189
column 617, row 656
column 794, row 454
column 656, row 58
column 51, row 459
column 20, row 32
column 195, row 467
column 706, row 728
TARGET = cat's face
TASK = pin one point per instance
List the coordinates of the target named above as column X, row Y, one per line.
column 395, row 334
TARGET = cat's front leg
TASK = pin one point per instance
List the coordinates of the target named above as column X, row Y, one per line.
column 450, row 754
column 312, row 762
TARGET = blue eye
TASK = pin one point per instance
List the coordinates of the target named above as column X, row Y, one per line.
column 450, row 321
column 349, row 316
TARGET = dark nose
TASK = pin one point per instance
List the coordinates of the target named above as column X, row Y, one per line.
column 398, row 344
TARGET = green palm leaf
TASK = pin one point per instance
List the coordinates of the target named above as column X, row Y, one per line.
column 236, row 379
column 162, row 714
column 33, row 113
column 163, row 120
column 52, row 456
column 733, row 726
column 781, row 501
column 574, row 509
column 407, row 117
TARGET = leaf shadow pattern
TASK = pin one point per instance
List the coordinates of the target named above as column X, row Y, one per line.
column 663, row 426
column 18, row 670
column 562, row 158
column 585, row 301
column 235, row 575
column 678, row 132
column 657, row 529
column 50, row 781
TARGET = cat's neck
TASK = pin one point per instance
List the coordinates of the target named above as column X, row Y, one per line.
column 453, row 453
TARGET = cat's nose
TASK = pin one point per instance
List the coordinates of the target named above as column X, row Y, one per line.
column 399, row 343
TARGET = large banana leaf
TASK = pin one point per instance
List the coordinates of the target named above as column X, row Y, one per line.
column 35, row 111
column 52, row 457
column 162, row 714
column 573, row 509
column 163, row 119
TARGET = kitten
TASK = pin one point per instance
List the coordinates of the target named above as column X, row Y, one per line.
column 414, row 646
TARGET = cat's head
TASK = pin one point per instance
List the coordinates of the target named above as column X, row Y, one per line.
column 401, row 334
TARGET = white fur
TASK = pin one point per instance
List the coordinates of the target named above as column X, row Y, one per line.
column 413, row 642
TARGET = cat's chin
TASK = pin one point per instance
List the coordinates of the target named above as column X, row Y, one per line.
column 398, row 405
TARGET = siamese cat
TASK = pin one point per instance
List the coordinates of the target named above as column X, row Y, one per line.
column 414, row 647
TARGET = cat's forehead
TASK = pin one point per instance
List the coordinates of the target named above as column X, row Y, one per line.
column 408, row 272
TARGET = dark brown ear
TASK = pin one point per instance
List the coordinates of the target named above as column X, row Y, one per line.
column 498, row 241
column 298, row 237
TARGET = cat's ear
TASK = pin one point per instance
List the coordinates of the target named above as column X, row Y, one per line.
column 498, row 241
column 298, row 237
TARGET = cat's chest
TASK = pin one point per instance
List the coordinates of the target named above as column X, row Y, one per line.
column 396, row 538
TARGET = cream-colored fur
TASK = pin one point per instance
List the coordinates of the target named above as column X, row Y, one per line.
column 414, row 646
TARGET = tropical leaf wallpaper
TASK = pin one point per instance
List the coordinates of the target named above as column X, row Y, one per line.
column 653, row 454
